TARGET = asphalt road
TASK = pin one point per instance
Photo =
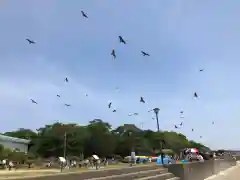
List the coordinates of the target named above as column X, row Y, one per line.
column 130, row 173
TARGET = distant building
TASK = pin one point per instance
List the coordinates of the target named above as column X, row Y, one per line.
column 14, row 143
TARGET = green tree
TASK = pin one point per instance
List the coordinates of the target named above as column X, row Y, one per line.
column 22, row 133
column 96, row 138
column 100, row 138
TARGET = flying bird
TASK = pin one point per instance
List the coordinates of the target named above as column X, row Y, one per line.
column 109, row 105
column 195, row 95
column 30, row 41
column 212, row 122
column 114, row 110
column 181, row 112
column 84, row 14
column 113, row 54
column 144, row 53
column 34, row 102
column 122, row 40
column 67, row 105
column 176, row 126
column 58, row 95
column 201, row 70
column 142, row 100
column 130, row 114
column 200, row 136
column 192, row 130
column 66, row 79
column 181, row 123
column 86, row 94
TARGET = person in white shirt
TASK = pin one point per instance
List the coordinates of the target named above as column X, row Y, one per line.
column 200, row 158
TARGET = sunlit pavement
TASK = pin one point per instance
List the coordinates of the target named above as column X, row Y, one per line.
column 229, row 174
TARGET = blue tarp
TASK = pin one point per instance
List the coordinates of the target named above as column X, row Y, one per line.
column 166, row 160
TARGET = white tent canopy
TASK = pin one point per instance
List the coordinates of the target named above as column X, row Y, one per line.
column 62, row 159
column 95, row 157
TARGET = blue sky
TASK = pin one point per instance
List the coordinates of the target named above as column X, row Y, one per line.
column 181, row 37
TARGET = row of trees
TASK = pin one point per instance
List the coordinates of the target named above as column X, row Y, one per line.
column 98, row 137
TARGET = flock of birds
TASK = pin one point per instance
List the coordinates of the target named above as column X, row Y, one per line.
column 141, row 100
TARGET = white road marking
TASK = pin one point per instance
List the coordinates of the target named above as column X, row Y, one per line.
column 174, row 178
column 155, row 176
column 126, row 174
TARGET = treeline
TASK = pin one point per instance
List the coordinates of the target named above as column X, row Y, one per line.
column 98, row 137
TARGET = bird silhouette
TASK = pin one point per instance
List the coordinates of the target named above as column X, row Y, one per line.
column 135, row 114
column 212, row 122
column 176, row 126
column 201, row 70
column 114, row 110
column 58, row 95
column 142, row 100
column 30, row 41
column 86, row 94
column 113, row 54
column 192, row 130
column 181, row 123
column 34, row 102
column 144, row 53
column 67, row 105
column 195, row 95
column 109, row 105
column 84, row 14
column 181, row 112
column 66, row 79
column 122, row 40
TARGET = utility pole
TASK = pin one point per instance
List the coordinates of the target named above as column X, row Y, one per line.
column 64, row 151
column 156, row 111
column 132, row 156
column 65, row 145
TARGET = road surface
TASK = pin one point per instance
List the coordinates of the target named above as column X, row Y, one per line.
column 131, row 173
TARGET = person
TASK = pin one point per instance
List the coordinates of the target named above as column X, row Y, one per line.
column 10, row 165
column 98, row 162
column 48, row 164
column 4, row 162
column 200, row 158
